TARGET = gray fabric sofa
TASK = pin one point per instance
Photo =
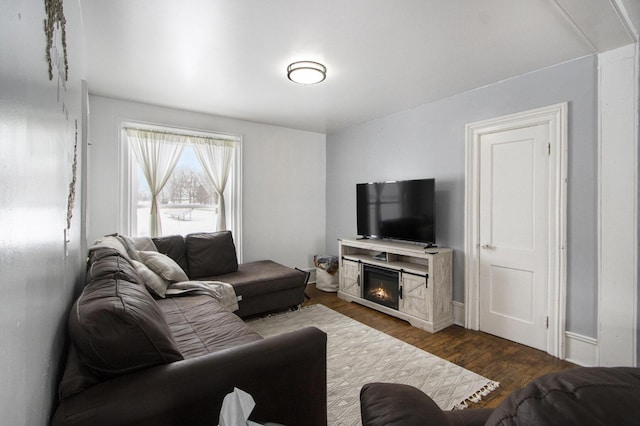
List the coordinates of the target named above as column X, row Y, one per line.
column 136, row 359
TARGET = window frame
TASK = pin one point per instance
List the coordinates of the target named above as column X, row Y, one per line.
column 127, row 220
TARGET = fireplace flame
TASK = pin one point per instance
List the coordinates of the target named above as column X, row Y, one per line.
column 380, row 293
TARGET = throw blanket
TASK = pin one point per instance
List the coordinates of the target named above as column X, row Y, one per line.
column 126, row 246
column 222, row 292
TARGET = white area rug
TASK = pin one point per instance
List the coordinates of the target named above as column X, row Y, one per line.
column 358, row 354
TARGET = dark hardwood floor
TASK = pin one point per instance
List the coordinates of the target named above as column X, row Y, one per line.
column 511, row 364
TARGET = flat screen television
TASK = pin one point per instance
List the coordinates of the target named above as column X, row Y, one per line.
column 398, row 210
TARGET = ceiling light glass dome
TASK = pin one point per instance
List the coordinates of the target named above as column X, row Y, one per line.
column 306, row 72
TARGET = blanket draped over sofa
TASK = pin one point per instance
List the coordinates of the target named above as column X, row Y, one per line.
column 153, row 344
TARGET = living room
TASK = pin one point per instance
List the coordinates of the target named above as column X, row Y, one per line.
column 298, row 181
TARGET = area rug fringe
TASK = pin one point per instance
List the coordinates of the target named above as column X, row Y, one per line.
column 477, row 397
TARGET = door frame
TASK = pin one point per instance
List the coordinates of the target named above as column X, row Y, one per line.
column 556, row 117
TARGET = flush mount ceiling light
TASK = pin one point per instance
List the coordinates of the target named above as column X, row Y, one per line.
column 306, row 72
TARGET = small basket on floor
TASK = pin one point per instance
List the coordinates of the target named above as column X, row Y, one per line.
column 326, row 272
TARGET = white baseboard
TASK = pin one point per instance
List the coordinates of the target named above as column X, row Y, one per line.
column 581, row 350
column 458, row 313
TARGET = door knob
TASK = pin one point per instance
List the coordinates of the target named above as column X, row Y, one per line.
column 485, row 246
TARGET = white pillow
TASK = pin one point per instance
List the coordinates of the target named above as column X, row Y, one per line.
column 154, row 282
column 163, row 265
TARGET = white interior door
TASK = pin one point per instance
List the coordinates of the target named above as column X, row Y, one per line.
column 513, row 234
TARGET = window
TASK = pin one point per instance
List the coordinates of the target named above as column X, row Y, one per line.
column 195, row 177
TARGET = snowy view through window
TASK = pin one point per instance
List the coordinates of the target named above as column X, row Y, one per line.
column 188, row 202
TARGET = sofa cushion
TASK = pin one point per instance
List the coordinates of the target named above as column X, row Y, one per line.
column 263, row 277
column 580, row 396
column 117, row 328
column 201, row 325
column 211, row 254
column 175, row 247
column 111, row 263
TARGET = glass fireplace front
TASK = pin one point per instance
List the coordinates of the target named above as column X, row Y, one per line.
column 381, row 286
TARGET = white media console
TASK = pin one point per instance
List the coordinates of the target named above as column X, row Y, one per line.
column 404, row 280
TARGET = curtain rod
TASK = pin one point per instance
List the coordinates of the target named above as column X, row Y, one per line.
column 218, row 136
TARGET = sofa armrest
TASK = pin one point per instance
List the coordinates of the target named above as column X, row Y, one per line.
column 383, row 404
column 285, row 374
column 398, row 404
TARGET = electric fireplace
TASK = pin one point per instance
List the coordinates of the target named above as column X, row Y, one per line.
column 381, row 286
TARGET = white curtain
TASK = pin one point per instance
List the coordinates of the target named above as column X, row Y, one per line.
column 215, row 157
column 157, row 154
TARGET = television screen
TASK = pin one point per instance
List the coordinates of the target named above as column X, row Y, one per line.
column 399, row 210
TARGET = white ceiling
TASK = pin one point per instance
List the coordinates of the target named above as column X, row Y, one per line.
column 229, row 57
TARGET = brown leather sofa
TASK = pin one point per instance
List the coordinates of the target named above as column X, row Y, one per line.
column 263, row 285
column 580, row 396
column 139, row 360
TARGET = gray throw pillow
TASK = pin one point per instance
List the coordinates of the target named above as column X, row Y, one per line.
column 163, row 265
column 154, row 282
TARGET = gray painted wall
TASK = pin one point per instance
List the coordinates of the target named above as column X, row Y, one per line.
column 283, row 178
column 429, row 141
column 38, row 280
